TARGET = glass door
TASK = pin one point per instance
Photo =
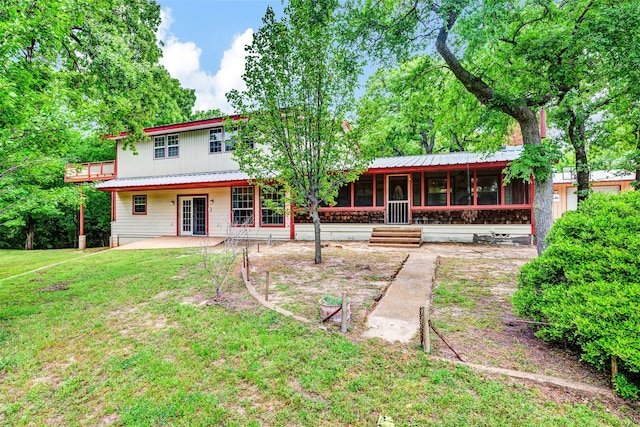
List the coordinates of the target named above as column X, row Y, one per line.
column 193, row 216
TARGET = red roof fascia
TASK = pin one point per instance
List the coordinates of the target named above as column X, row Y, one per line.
column 178, row 186
column 177, row 126
column 438, row 168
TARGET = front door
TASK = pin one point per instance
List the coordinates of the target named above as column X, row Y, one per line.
column 398, row 199
column 193, row 216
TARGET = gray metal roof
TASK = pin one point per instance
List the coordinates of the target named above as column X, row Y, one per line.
column 504, row 154
column 207, row 177
column 595, row 176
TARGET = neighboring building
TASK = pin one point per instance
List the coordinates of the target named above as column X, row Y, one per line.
column 184, row 182
column 564, row 187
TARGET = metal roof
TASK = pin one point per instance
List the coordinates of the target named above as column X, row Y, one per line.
column 595, row 176
column 196, row 178
column 505, row 154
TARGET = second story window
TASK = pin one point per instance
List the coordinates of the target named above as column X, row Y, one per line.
column 166, row 146
column 173, row 147
column 159, row 147
column 230, row 138
column 215, row 140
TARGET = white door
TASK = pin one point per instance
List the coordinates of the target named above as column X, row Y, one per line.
column 572, row 199
column 193, row 216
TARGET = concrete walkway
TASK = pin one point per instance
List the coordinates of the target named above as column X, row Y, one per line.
column 397, row 315
column 168, row 242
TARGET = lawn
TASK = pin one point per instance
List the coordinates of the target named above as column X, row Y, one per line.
column 14, row 262
column 114, row 339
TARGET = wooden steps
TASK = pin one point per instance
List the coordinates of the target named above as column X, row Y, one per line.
column 398, row 237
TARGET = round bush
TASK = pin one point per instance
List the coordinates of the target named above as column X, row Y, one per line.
column 586, row 285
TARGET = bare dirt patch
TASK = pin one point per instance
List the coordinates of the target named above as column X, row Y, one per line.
column 62, row 286
column 472, row 308
column 297, row 284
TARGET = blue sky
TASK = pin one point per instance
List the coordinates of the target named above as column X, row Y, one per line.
column 204, row 44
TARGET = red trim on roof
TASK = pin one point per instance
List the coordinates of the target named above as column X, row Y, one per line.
column 178, row 186
column 181, row 126
column 437, row 168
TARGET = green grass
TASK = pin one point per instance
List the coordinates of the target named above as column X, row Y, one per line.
column 119, row 345
column 14, row 262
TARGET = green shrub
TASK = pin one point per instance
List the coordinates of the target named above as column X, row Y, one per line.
column 625, row 389
column 586, row 285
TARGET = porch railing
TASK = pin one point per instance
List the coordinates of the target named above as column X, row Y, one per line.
column 398, row 212
column 83, row 172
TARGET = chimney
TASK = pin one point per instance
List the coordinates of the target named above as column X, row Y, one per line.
column 543, row 123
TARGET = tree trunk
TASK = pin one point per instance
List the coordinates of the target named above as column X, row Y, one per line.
column 428, row 141
column 582, row 172
column 313, row 212
column 31, row 232
column 543, row 186
column 516, row 108
column 577, row 138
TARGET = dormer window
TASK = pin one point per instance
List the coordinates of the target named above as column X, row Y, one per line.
column 166, row 146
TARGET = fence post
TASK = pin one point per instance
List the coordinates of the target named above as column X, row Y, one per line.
column 424, row 327
column 343, row 322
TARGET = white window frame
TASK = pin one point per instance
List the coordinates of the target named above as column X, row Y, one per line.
column 243, row 201
column 215, row 137
column 173, row 142
column 157, row 140
column 273, row 218
column 166, row 145
column 139, row 200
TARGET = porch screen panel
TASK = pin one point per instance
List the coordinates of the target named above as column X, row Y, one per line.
column 242, row 205
column 489, row 187
column 344, row 197
column 379, row 190
column 435, row 189
column 462, row 187
column 516, row 192
column 417, row 189
column 363, row 191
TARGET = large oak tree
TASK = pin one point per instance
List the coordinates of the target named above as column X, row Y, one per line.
column 513, row 56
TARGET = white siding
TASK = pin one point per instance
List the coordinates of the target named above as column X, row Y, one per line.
column 163, row 213
column 194, row 158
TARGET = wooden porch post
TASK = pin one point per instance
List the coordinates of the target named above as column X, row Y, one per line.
column 82, row 239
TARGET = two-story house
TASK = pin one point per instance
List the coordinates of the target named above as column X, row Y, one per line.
column 184, row 182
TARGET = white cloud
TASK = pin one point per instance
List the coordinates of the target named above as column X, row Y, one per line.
column 182, row 60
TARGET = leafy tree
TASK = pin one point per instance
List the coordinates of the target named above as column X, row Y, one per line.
column 206, row 114
column 586, row 286
column 71, row 68
column 300, row 82
column 513, row 56
column 420, row 107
